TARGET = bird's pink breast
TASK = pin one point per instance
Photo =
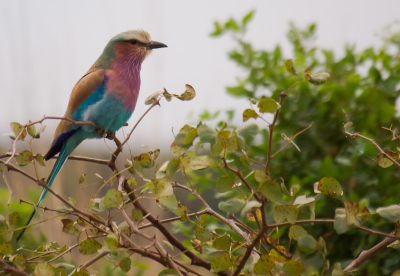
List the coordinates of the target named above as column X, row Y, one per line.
column 123, row 78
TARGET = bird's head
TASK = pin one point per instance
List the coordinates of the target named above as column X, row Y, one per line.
column 132, row 46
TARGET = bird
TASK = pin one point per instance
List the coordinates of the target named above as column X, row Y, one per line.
column 106, row 96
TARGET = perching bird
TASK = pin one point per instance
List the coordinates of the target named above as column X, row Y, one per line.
column 106, row 95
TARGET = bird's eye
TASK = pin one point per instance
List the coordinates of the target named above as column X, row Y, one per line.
column 133, row 42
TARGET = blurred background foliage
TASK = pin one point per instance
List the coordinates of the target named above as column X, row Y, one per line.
column 365, row 84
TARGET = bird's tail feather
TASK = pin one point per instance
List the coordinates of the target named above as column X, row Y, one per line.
column 67, row 149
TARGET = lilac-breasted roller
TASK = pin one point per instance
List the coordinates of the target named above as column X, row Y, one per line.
column 106, row 95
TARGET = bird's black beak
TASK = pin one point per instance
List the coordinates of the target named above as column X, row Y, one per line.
column 155, row 45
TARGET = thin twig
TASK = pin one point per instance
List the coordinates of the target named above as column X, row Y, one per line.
column 271, row 130
column 366, row 255
column 12, row 270
column 374, row 143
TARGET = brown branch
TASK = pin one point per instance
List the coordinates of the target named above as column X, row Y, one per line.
column 271, row 130
column 63, row 253
column 95, row 259
column 135, row 230
column 238, row 174
column 12, row 270
column 248, row 252
column 229, row 222
column 366, row 255
column 43, row 184
column 374, row 143
column 174, row 219
column 195, row 260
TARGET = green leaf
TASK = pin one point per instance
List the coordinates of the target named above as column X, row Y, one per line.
column 89, row 246
column 296, row 232
column 249, row 113
column 217, row 29
column 206, row 134
column 24, row 158
column 182, row 211
column 268, row 105
column 132, row 182
column 145, row 160
column 222, row 243
column 239, row 91
column 189, row 94
column 44, row 269
column 383, row 161
column 250, row 206
column 224, row 184
column 221, row 262
column 113, row 199
column 190, row 136
column 352, row 209
column 82, row 272
column 203, row 234
column 271, row 190
column 248, row 131
column 307, row 244
column 125, row 264
column 168, row 271
column 60, row 271
column 279, row 215
column 291, row 212
column 72, row 201
column 232, row 25
column 18, row 261
column 293, row 268
column 69, row 227
column 169, row 245
column 137, row 215
column 330, row 187
column 63, row 210
column 6, row 232
column 176, row 150
column 337, row 270
column 260, row 175
column 13, row 218
column 319, row 78
column 232, row 205
column 391, row 213
column 6, row 249
column 340, row 223
column 16, row 129
column 290, row 67
column 169, row 203
column 163, row 188
column 264, row 264
column 31, row 130
column 40, row 159
column 111, row 242
column 191, row 161
column 124, row 227
column 300, row 200
column 147, row 187
column 172, row 167
column 248, row 17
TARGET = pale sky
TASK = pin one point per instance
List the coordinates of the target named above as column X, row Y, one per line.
column 46, row 46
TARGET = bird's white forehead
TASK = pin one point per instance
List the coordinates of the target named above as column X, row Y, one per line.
column 139, row 35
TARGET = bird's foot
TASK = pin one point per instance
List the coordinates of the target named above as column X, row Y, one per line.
column 109, row 135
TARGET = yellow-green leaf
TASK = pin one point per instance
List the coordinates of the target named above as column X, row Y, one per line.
column 24, row 158
column 268, row 105
column 249, row 113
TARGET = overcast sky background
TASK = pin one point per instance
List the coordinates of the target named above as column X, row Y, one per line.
column 46, row 46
